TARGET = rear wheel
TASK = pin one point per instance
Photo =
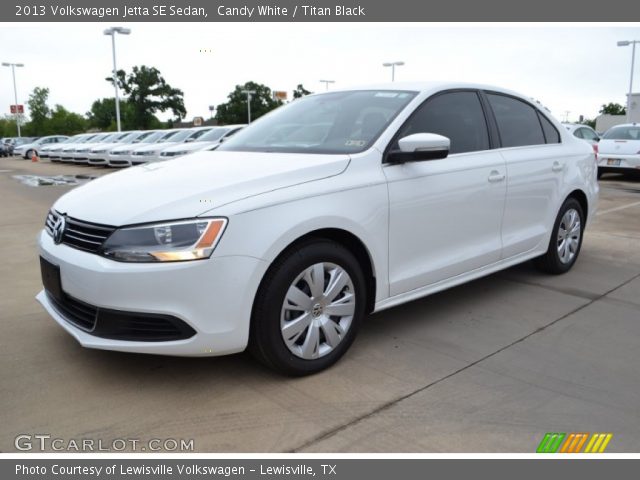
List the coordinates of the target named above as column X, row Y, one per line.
column 308, row 308
column 566, row 239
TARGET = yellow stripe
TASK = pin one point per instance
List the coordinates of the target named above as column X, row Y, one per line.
column 582, row 440
column 607, row 439
column 590, row 444
column 567, row 442
column 596, row 445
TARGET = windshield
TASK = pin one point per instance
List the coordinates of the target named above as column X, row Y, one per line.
column 198, row 133
column 182, row 135
column 128, row 137
column 340, row 122
column 85, row 140
column 73, row 139
column 623, row 133
column 213, row 135
column 149, row 136
column 166, row 136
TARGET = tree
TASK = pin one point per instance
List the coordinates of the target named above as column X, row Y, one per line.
column 65, row 122
column 235, row 109
column 103, row 115
column 148, row 93
column 588, row 122
column 39, row 111
column 300, row 92
column 613, row 109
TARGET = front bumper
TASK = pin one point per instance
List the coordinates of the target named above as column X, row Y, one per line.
column 98, row 158
column 214, row 297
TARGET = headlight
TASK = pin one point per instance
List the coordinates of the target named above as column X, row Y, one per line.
column 166, row 242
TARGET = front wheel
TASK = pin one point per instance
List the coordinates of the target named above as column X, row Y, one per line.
column 566, row 239
column 308, row 308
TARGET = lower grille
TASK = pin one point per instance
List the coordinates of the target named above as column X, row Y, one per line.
column 120, row 325
column 78, row 313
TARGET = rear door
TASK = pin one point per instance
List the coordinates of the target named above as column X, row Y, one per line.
column 535, row 166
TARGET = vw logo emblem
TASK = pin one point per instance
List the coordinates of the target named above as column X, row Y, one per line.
column 58, row 229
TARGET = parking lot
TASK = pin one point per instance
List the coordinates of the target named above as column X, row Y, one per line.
column 490, row 366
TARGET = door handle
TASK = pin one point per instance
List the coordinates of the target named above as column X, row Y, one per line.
column 496, row 176
column 557, row 167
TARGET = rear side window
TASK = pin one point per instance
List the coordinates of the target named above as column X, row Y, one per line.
column 551, row 135
column 517, row 121
column 456, row 115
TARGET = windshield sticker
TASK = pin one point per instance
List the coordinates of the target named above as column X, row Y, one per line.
column 386, row 94
column 355, row 143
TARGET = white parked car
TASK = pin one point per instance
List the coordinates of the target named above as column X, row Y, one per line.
column 98, row 154
column 619, row 150
column 27, row 150
column 326, row 209
column 57, row 152
column 78, row 152
column 46, row 150
column 583, row 132
column 121, row 156
column 208, row 141
column 151, row 153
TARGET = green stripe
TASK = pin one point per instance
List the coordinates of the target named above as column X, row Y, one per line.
column 554, row 448
column 551, row 442
column 543, row 443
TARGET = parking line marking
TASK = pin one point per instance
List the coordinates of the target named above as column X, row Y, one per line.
column 615, row 209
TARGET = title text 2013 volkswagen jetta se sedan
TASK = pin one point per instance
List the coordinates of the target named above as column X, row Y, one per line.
column 328, row 208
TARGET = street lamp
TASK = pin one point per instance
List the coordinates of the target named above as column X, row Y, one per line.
column 626, row 43
column 249, row 93
column 393, row 66
column 112, row 31
column 327, row 82
column 15, row 90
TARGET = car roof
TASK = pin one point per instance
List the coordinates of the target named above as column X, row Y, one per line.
column 425, row 87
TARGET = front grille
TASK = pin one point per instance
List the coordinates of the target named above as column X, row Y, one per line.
column 78, row 313
column 79, row 234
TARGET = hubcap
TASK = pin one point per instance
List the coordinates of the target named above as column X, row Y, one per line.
column 569, row 233
column 317, row 310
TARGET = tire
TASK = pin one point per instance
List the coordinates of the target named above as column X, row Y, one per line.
column 28, row 154
column 315, row 338
column 560, row 257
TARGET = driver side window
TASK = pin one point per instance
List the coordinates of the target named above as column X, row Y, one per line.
column 456, row 115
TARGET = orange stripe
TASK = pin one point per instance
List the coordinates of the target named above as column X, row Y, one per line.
column 581, row 443
column 567, row 442
column 577, row 438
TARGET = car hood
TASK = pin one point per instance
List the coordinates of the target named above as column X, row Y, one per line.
column 152, row 147
column 188, row 147
column 621, row 147
column 191, row 186
column 106, row 146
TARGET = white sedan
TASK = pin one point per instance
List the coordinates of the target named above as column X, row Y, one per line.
column 619, row 150
column 208, row 141
column 333, row 206
column 151, row 153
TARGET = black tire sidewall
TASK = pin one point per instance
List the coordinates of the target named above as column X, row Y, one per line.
column 266, row 331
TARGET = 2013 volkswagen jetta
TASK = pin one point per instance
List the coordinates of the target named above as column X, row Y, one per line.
column 329, row 208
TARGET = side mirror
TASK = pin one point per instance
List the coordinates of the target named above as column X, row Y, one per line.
column 419, row 147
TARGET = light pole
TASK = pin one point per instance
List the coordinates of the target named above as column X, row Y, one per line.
column 327, row 82
column 393, row 66
column 249, row 93
column 625, row 43
column 112, row 32
column 15, row 89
